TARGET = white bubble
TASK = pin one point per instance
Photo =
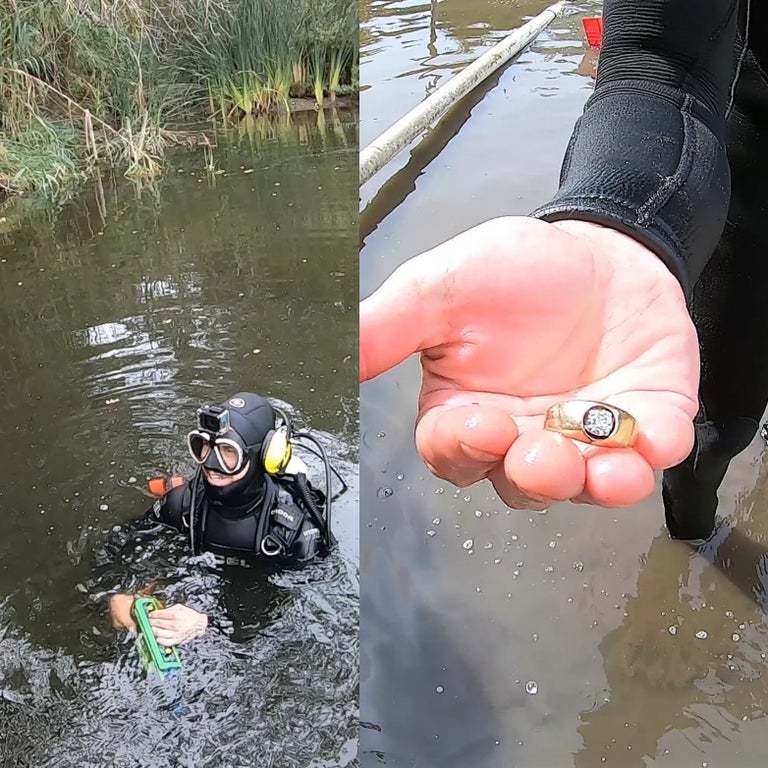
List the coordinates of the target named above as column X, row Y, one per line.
column 532, row 687
column 468, row 544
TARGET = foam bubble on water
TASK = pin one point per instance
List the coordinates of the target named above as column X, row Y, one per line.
column 468, row 544
column 439, row 689
column 430, row 532
column 701, row 634
column 532, row 687
column 384, row 492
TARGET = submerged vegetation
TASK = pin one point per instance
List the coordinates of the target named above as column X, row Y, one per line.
column 118, row 81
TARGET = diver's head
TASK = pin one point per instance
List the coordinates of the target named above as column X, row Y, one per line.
column 228, row 444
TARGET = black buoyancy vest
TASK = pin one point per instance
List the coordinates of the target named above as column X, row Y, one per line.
column 278, row 524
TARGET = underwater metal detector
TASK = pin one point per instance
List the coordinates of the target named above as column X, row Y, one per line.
column 155, row 657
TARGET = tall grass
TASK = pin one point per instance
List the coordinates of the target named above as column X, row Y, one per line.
column 268, row 51
column 89, row 81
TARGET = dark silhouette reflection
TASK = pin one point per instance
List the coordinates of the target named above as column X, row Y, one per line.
column 688, row 639
column 731, row 316
column 689, row 651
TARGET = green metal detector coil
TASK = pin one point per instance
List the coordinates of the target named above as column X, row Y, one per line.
column 155, row 656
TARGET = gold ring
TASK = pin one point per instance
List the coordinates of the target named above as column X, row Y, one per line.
column 593, row 422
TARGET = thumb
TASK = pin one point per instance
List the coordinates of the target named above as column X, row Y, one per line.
column 405, row 315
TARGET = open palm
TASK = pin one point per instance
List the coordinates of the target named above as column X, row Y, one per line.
column 517, row 314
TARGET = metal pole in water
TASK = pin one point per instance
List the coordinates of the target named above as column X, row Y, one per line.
column 398, row 136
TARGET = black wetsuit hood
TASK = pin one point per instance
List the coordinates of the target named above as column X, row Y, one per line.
column 252, row 418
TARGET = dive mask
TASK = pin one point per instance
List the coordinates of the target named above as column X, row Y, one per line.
column 224, row 454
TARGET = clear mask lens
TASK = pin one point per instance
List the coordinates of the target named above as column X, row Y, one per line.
column 230, row 456
column 199, row 446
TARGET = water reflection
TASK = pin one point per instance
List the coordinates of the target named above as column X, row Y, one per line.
column 121, row 314
column 689, row 654
column 408, row 50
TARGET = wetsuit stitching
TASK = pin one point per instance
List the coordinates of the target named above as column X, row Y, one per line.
column 672, row 183
column 739, row 64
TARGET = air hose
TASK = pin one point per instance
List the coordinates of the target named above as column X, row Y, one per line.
column 307, row 496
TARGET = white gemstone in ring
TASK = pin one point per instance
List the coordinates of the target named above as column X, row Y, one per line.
column 598, row 422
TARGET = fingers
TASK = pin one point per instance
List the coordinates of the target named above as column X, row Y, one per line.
column 533, row 470
column 169, row 637
column 402, row 317
column 665, row 435
column 511, row 495
column 177, row 624
column 120, row 612
column 162, row 622
column 618, row 477
column 545, row 465
column 164, row 614
column 462, row 444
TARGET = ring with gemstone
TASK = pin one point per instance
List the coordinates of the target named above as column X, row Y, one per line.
column 593, row 422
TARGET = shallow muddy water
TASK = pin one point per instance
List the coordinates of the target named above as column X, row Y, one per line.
column 580, row 637
column 121, row 314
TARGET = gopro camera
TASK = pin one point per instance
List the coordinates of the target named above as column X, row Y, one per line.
column 213, row 419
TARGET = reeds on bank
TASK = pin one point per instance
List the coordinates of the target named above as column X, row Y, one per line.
column 117, row 81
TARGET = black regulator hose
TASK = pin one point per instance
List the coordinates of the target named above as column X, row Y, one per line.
column 306, row 496
column 196, row 480
column 328, row 489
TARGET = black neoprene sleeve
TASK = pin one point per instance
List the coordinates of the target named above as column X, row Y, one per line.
column 647, row 156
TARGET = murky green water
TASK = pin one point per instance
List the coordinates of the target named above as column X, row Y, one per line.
column 578, row 601
column 120, row 315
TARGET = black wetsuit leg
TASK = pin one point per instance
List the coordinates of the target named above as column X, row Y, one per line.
column 730, row 310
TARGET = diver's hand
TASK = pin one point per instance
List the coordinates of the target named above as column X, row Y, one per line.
column 517, row 314
column 177, row 625
column 120, row 612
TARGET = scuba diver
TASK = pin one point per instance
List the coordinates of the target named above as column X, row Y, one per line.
column 249, row 499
